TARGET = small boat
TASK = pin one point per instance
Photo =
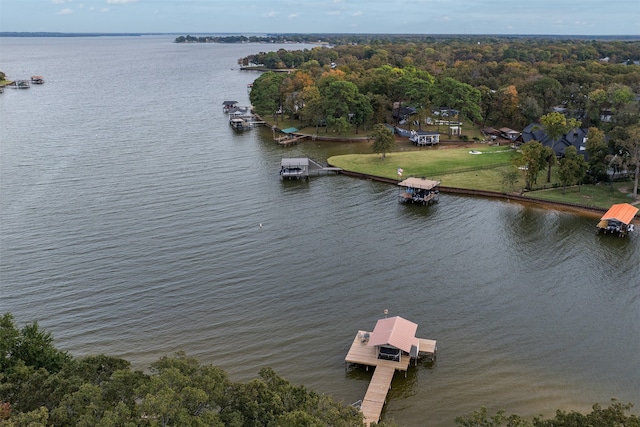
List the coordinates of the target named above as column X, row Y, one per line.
column 37, row 80
column 617, row 220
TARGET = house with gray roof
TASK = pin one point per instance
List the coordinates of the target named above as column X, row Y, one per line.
column 576, row 137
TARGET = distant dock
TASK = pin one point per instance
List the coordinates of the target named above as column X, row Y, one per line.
column 391, row 346
column 303, row 167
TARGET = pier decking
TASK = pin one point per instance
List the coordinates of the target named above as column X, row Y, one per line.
column 290, row 139
column 384, row 349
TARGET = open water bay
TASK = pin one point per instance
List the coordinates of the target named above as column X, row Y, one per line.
column 130, row 220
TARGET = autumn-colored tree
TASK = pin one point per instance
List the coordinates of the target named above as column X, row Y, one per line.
column 507, row 105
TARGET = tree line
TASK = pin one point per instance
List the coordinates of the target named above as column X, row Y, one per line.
column 488, row 81
column 518, row 80
column 41, row 386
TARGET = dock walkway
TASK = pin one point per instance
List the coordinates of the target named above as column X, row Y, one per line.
column 376, row 396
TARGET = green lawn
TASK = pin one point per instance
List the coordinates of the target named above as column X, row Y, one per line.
column 602, row 195
column 434, row 162
column 456, row 167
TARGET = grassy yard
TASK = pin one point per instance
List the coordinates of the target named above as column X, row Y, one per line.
column 456, row 167
column 602, row 195
column 436, row 162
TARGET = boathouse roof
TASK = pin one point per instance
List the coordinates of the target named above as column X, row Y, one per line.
column 423, row 184
column 228, row 103
column 395, row 331
column 295, row 161
column 289, row 130
column 623, row 212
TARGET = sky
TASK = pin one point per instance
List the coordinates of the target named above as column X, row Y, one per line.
column 557, row 17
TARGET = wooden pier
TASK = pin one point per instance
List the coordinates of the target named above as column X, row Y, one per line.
column 290, row 139
column 390, row 347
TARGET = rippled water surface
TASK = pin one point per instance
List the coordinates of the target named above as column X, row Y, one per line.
column 129, row 222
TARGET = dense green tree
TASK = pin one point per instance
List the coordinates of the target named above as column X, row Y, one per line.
column 453, row 94
column 547, row 92
column 530, row 109
column 182, row 392
column 619, row 96
column 311, row 111
column 29, row 345
column 267, row 93
column 102, row 391
column 573, row 167
column 361, row 111
column 340, row 99
column 487, row 103
column 9, row 337
column 597, row 149
column 632, row 145
column 383, row 139
column 36, row 418
column 556, row 125
column 531, row 160
column 614, row 415
column 597, row 102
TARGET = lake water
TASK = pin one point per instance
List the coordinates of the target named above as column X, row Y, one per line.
column 130, row 225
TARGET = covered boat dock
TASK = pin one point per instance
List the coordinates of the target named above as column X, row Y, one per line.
column 391, row 346
column 617, row 220
column 302, row 167
column 420, row 190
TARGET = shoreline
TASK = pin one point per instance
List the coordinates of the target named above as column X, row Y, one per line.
column 584, row 209
column 515, row 196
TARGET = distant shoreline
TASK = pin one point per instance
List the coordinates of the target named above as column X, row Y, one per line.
column 620, row 37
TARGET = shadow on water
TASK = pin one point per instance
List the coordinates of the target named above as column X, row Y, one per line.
column 417, row 211
column 404, row 383
column 295, row 185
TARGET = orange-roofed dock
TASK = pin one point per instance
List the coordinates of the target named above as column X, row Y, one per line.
column 617, row 220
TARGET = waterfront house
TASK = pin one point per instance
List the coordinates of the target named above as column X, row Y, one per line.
column 576, row 137
column 509, row 134
column 421, row 138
